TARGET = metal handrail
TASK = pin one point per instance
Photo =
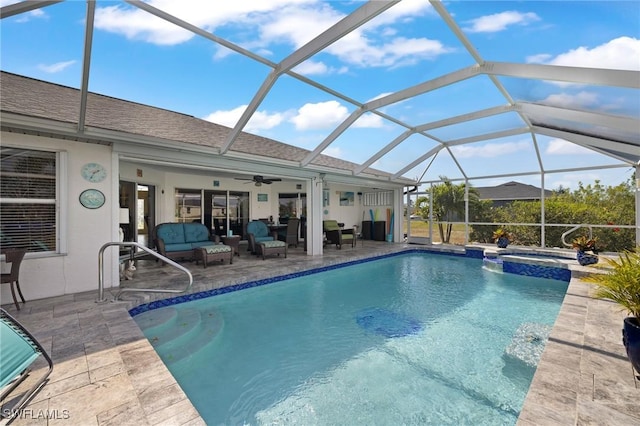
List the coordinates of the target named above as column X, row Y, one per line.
column 575, row 228
column 132, row 244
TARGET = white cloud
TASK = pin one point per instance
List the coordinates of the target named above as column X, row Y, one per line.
column 358, row 50
column 570, row 180
column 310, row 67
column 139, row 25
column 562, row 147
column 368, row 120
column 577, row 100
column 490, row 150
column 264, row 24
column 260, row 120
column 500, row 21
column 619, row 53
column 538, row 59
column 320, row 115
column 57, row 67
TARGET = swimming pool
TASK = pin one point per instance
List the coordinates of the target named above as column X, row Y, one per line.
column 415, row 339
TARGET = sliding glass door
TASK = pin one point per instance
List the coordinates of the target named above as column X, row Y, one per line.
column 226, row 210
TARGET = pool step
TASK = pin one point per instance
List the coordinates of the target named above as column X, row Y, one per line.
column 151, row 321
column 523, row 354
column 181, row 333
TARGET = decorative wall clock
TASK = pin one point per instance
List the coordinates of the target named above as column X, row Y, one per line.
column 92, row 198
column 93, row 172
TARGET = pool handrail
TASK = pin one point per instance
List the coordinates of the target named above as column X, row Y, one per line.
column 575, row 228
column 131, row 245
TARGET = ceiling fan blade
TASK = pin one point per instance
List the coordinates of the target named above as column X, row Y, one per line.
column 269, row 181
column 243, row 179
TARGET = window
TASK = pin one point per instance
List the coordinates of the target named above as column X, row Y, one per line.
column 292, row 205
column 188, row 205
column 378, row 198
column 28, row 187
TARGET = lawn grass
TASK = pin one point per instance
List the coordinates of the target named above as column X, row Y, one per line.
column 420, row 228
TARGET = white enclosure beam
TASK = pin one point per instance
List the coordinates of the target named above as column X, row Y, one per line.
column 24, row 6
column 488, row 136
column 333, row 136
column 362, row 15
column 383, row 151
column 343, row 27
column 489, row 112
column 424, row 87
column 199, row 31
column 417, row 161
column 596, row 144
column 86, row 63
column 628, row 124
column 595, row 76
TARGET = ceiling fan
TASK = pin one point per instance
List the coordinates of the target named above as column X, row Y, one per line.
column 259, row 180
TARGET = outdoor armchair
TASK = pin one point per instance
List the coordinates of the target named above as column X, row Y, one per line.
column 257, row 232
column 336, row 235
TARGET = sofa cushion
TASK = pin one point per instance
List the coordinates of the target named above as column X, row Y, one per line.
column 262, row 239
column 218, row 248
column 195, row 232
column 198, row 244
column 271, row 244
column 171, row 233
column 330, row 225
column 178, row 247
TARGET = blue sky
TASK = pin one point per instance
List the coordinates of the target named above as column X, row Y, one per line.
column 141, row 58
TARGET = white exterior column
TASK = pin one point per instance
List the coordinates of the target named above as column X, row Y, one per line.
column 314, row 216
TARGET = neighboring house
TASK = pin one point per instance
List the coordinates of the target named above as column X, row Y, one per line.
column 511, row 191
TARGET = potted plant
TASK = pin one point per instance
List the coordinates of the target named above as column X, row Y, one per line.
column 622, row 286
column 587, row 253
column 501, row 237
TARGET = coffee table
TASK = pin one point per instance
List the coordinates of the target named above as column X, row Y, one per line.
column 232, row 241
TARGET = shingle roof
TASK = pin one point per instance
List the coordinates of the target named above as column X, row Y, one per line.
column 511, row 191
column 35, row 98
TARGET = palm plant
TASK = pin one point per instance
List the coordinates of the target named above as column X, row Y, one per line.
column 501, row 233
column 622, row 286
column 449, row 205
column 622, row 283
column 584, row 243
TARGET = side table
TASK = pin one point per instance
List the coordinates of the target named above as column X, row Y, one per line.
column 232, row 241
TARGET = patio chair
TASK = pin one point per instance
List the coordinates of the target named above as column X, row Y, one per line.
column 14, row 256
column 18, row 351
column 336, row 235
column 290, row 234
column 257, row 232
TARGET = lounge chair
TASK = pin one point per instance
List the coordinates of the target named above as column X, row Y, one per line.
column 257, row 232
column 336, row 235
column 18, row 351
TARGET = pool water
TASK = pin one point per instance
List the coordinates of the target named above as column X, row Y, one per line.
column 410, row 339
